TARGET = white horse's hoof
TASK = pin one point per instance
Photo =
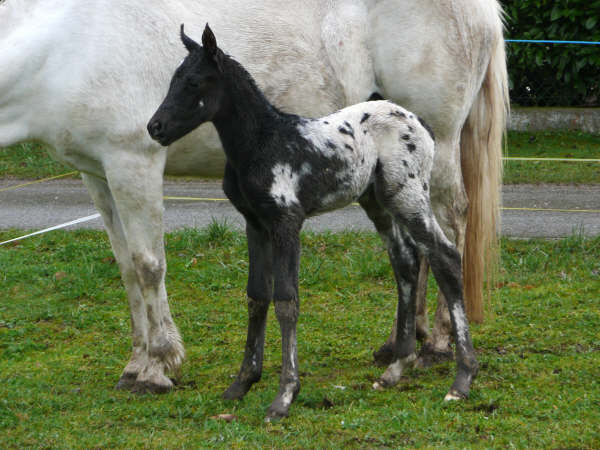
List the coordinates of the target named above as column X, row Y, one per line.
column 149, row 387
column 127, row 381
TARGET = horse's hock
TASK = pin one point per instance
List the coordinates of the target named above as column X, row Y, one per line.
column 550, row 118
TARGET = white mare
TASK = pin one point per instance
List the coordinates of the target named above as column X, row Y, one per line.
column 84, row 76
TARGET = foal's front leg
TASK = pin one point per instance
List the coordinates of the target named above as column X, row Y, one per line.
column 260, row 293
column 286, row 263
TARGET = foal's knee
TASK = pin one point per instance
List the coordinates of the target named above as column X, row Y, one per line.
column 258, row 291
column 287, row 311
column 285, row 292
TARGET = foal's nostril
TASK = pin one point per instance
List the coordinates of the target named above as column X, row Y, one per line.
column 155, row 128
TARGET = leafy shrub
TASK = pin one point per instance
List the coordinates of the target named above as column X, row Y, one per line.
column 553, row 74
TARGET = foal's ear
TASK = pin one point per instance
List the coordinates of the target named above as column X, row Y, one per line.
column 209, row 42
column 189, row 43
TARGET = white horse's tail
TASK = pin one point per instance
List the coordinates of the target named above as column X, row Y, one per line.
column 481, row 161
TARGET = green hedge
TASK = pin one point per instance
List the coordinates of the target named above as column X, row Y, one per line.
column 553, row 74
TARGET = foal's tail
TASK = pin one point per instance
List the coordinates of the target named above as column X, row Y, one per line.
column 481, row 161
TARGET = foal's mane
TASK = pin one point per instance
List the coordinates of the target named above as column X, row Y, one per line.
column 242, row 83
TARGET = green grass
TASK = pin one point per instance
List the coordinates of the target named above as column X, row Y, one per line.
column 30, row 160
column 552, row 145
column 64, row 338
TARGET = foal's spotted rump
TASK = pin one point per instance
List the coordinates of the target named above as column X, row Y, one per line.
column 348, row 149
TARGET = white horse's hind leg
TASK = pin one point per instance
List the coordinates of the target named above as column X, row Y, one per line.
column 102, row 198
column 135, row 181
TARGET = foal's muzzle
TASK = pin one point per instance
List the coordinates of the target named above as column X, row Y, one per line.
column 156, row 130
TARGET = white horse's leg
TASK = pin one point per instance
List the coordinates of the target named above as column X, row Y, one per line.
column 102, row 198
column 135, row 181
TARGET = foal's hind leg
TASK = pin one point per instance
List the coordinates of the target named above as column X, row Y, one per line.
column 384, row 356
column 445, row 261
column 404, row 259
column 260, row 293
column 449, row 202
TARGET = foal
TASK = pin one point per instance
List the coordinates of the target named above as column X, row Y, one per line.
column 282, row 168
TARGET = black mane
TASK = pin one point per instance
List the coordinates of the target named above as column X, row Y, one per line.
column 243, row 84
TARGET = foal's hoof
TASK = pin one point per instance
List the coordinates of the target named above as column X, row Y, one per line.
column 127, row 381
column 454, row 395
column 380, row 385
column 148, row 387
column 384, row 356
column 281, row 405
column 237, row 390
column 429, row 357
column 276, row 414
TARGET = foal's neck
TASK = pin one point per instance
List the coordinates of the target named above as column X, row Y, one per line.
column 246, row 117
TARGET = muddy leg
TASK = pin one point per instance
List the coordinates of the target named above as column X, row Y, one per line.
column 137, row 190
column 436, row 347
column 102, row 197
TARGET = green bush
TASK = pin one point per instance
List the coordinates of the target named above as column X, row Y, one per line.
column 553, row 74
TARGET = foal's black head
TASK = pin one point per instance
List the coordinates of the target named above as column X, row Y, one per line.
column 196, row 93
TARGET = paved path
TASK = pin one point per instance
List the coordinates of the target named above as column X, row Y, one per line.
column 47, row 204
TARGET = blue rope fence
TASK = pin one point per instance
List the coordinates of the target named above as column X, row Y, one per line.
column 541, row 41
column 531, row 88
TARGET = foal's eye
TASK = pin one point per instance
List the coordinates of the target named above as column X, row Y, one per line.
column 193, row 83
